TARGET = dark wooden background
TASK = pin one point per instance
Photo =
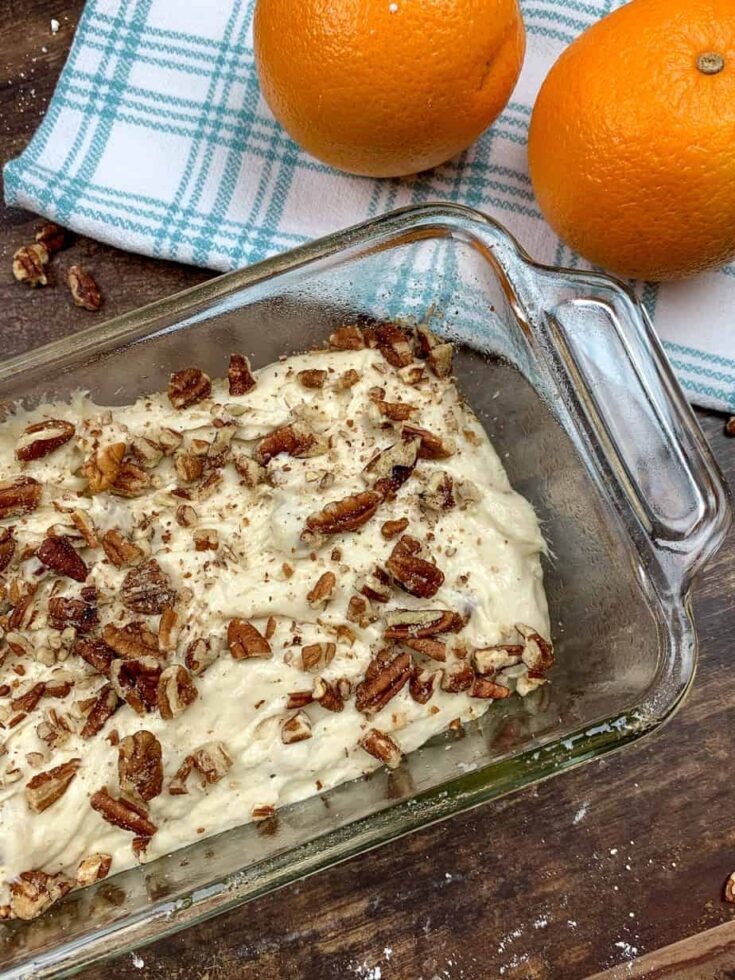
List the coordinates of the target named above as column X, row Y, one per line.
column 589, row 870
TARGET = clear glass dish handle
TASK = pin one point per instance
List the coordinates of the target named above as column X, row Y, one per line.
column 613, row 375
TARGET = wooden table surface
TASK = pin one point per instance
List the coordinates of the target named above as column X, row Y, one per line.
column 593, row 869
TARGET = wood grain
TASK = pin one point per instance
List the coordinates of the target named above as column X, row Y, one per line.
column 572, row 877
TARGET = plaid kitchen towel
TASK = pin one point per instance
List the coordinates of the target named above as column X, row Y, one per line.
column 157, row 140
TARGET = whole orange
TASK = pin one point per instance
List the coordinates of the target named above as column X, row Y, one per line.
column 387, row 88
column 632, row 139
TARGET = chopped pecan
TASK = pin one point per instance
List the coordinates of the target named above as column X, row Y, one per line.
column 176, row 691
column 131, row 641
column 200, row 654
column 186, row 516
column 29, row 262
column 7, row 547
column 104, row 707
column 483, row 687
column 457, row 677
column 328, row 695
column 188, row 387
column 42, row 438
column 51, row 236
column 391, row 529
column 83, row 288
column 240, row 375
column 294, row 439
column 59, row 685
column 381, row 746
column 146, row 452
column 123, row 814
column 421, row 684
column 94, row 867
column 488, row 660
column 299, row 699
column 434, row 649
column 312, row 378
column 47, row 787
column 437, row 353
column 393, row 344
column 189, row 467
column 147, row 590
column 210, row 760
column 206, row 539
column 730, row 883
column 252, row 473
column 322, row 591
column 395, row 411
column 85, row 526
column 348, row 337
column 412, row 573
column 136, row 682
column 19, row 496
column 439, row 493
column 538, row 654
column 390, row 469
column 169, row 440
column 102, row 466
column 34, row 891
column 402, row 624
column 245, row 641
column 30, row 698
column 360, row 611
column 140, row 766
column 96, row 653
column 59, row 555
column 343, row 515
column 347, row 380
column 131, row 480
column 384, row 678
column 168, row 630
column 432, row 446
column 376, row 586
column 120, row 550
column 21, row 618
column 55, row 729
column 262, row 812
column 297, row 728
column 316, row 656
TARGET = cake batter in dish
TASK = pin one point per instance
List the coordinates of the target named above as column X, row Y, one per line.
column 230, row 596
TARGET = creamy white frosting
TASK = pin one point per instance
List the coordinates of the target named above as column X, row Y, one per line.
column 488, row 549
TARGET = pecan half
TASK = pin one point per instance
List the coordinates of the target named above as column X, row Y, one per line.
column 19, row 496
column 390, row 469
column 384, row 678
column 322, row 591
column 483, row 687
column 240, row 375
column 245, row 641
column 131, row 480
column 391, row 529
column 381, row 746
column 147, row 590
column 294, row 439
column 78, row 613
column 437, row 353
column 393, row 344
column 434, row 649
column 349, row 337
column 343, row 515
column 140, row 766
column 96, row 653
column 432, row 446
column 210, row 760
column 120, row 550
column 200, row 654
column 105, row 706
column 94, row 867
column 402, row 624
column 123, row 814
column 188, row 387
column 412, row 573
column 176, row 691
column 47, row 787
column 312, row 378
column 34, row 891
column 421, row 685
column 458, row 677
column 131, row 641
column 316, row 656
column 51, row 236
column 59, row 555
column 83, row 288
column 29, row 262
column 43, row 438
column 102, row 466
column 297, row 728
column 538, row 653
column 136, row 682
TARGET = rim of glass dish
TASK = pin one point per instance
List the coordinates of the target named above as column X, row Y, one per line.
column 534, row 764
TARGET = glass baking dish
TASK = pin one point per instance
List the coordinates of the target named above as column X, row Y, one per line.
column 564, row 371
